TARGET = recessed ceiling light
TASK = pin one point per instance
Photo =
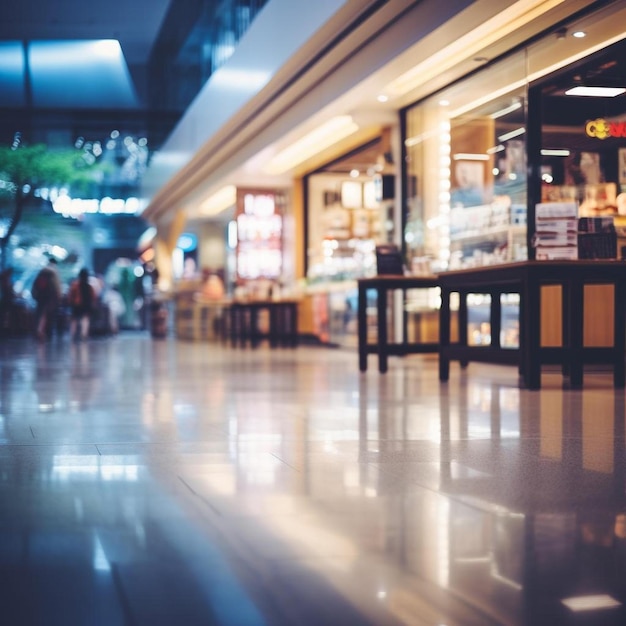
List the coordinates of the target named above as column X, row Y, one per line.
column 382, row 98
column 555, row 152
column 597, row 92
column 506, row 110
column 470, row 156
column 510, row 135
column 579, row 34
column 444, row 103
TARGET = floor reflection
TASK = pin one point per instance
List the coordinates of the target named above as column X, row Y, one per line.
column 527, row 515
column 165, row 482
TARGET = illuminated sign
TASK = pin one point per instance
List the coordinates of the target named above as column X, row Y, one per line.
column 259, row 235
column 187, row 242
column 75, row 207
column 603, row 129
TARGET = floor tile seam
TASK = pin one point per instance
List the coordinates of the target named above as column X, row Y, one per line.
column 284, row 462
column 202, row 499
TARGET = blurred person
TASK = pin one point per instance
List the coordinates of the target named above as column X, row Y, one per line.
column 47, row 294
column 114, row 302
column 212, row 285
column 7, row 301
column 82, row 301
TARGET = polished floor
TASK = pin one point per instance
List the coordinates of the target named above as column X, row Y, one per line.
column 166, row 483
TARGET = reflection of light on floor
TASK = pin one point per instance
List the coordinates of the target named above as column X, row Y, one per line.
column 505, row 581
column 442, row 514
column 65, row 467
column 78, row 509
column 259, row 468
column 100, row 561
column 185, row 410
column 590, row 603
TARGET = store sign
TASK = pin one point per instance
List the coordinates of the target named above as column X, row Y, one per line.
column 259, row 236
column 603, row 129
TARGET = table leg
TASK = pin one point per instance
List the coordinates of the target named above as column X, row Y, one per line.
column 253, row 311
column 463, row 321
column 293, row 324
column 495, row 312
column 566, row 327
column 234, row 329
column 362, row 327
column 382, row 329
column 444, row 335
column 522, row 333
column 276, row 325
column 575, row 314
column 531, row 348
column 619, row 338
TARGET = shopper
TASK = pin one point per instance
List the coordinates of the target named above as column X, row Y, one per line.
column 7, row 302
column 47, row 293
column 82, row 301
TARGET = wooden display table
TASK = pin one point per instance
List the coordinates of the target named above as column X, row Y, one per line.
column 383, row 347
column 242, row 322
column 527, row 279
column 198, row 318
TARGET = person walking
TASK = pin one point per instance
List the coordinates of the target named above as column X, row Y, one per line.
column 47, row 293
column 82, row 300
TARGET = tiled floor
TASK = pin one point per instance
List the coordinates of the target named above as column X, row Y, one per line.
column 163, row 483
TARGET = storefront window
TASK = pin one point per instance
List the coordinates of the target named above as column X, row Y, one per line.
column 466, row 155
column 583, row 159
column 469, row 200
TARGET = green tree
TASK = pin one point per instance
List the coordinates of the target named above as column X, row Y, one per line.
column 26, row 169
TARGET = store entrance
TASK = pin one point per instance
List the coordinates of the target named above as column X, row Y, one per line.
column 350, row 205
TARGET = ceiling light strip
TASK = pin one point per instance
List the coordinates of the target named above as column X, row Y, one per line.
column 465, row 47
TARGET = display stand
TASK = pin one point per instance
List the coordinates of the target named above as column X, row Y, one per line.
column 527, row 279
column 242, row 326
column 383, row 347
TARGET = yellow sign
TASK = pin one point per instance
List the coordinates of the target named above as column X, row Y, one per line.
column 603, row 129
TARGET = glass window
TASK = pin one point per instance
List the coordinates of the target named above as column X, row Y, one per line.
column 583, row 140
column 466, row 156
column 467, row 188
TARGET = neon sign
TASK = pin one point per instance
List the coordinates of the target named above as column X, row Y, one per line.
column 603, row 129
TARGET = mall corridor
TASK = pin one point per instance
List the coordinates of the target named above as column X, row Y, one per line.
column 166, row 483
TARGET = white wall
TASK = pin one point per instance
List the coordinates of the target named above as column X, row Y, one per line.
column 275, row 35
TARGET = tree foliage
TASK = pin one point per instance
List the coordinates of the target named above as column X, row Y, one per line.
column 26, row 169
column 37, row 166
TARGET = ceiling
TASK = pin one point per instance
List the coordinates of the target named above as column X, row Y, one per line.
column 68, row 86
column 135, row 23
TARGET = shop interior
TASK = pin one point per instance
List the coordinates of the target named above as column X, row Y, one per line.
column 583, row 141
column 350, row 210
column 488, row 173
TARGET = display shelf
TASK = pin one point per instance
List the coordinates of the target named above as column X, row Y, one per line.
column 509, row 231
